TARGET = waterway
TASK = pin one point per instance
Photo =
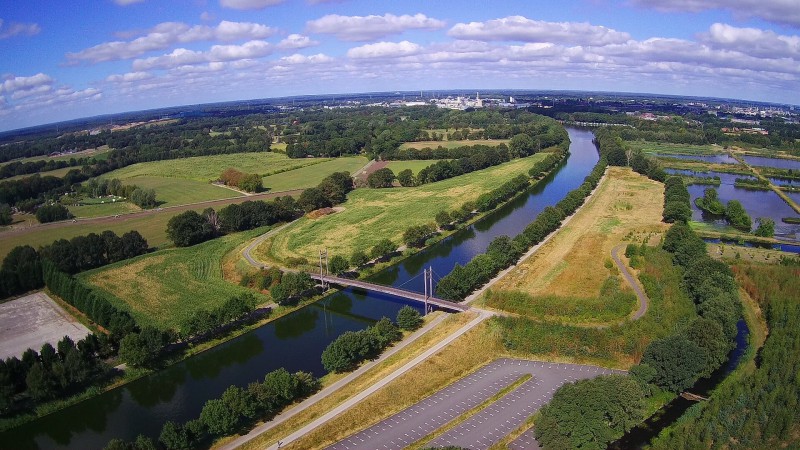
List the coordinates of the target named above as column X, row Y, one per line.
column 757, row 203
column 641, row 435
column 295, row 341
column 716, row 159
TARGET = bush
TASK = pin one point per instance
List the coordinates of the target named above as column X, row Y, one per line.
column 52, row 213
column 381, row 178
column 382, row 249
column 408, row 318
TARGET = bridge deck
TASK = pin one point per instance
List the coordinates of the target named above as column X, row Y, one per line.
column 392, row 291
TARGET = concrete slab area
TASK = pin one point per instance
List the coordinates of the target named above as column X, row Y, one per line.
column 33, row 320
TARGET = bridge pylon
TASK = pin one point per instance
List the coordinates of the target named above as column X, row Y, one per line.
column 323, row 268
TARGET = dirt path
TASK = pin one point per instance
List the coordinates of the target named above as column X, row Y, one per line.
column 644, row 302
column 171, row 210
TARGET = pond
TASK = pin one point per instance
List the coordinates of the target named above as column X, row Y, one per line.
column 716, row 159
column 780, row 163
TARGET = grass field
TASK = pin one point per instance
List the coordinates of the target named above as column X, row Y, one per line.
column 208, row 168
column 166, row 287
column 680, row 149
column 311, row 175
column 176, row 191
column 103, row 209
column 574, row 262
column 454, row 144
column 52, row 173
column 370, row 215
column 415, row 165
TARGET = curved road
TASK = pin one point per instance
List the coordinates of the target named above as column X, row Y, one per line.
column 486, row 427
column 644, row 302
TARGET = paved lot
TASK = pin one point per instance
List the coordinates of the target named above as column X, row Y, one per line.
column 30, row 321
column 484, row 428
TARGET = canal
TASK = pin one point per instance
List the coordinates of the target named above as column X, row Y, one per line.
column 295, row 341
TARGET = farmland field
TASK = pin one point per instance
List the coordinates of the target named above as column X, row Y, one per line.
column 52, row 173
column 166, row 287
column 176, row 191
column 454, row 144
column 208, row 168
column 103, row 209
column 415, row 165
column 370, row 215
column 97, row 153
column 310, row 176
column 679, row 149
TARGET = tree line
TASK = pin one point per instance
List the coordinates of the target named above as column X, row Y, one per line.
column 248, row 182
column 237, row 408
column 504, row 251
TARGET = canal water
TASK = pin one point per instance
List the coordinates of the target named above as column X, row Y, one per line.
column 295, row 341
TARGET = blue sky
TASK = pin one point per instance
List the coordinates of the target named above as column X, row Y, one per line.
column 68, row 59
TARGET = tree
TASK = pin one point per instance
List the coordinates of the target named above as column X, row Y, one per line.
column 590, row 414
column 737, row 216
column 766, row 227
column 312, row 199
column 408, row 318
column 677, row 361
column 5, row 214
column 52, row 213
column 133, row 244
column 415, row 235
column 140, row 349
column 358, row 258
column 40, row 382
column 383, row 248
column 381, row 178
column 677, row 211
column 710, row 202
column 443, row 219
column 174, row 437
column 218, row 418
column 406, row 178
column 522, row 145
column 144, row 198
column 251, row 183
column 338, row 264
column 189, row 228
column 709, row 336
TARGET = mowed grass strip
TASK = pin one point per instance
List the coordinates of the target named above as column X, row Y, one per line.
column 454, row 144
column 208, row 168
column 370, row 215
column 311, row 175
column 103, row 209
column 166, row 287
column 576, row 261
column 177, row 191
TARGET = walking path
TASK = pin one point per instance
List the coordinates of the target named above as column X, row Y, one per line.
column 643, row 300
column 247, row 252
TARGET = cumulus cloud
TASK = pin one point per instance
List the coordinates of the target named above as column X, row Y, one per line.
column 296, row 41
column 249, row 4
column 218, row 53
column 129, row 77
column 752, row 41
column 366, row 28
column 18, row 29
column 14, row 84
column 384, row 50
column 166, row 34
column 785, row 12
column 519, row 28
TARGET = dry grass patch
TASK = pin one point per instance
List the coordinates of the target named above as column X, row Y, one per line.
column 574, row 262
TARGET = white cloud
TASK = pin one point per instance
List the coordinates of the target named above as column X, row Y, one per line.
column 384, row 50
column 166, row 34
column 785, row 12
column 218, row 53
column 296, row 41
column 365, row 28
column 129, row 77
column 13, row 84
column 127, row 2
column 249, row 4
column 752, row 41
column 519, row 28
column 297, row 58
column 18, row 29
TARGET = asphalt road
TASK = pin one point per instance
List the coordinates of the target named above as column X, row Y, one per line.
column 484, row 428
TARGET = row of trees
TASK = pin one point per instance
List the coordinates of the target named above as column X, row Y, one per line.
column 249, row 182
column 352, row 347
column 236, row 407
column 52, row 212
column 92, row 250
column 504, row 251
column 51, row 372
column 203, row 322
